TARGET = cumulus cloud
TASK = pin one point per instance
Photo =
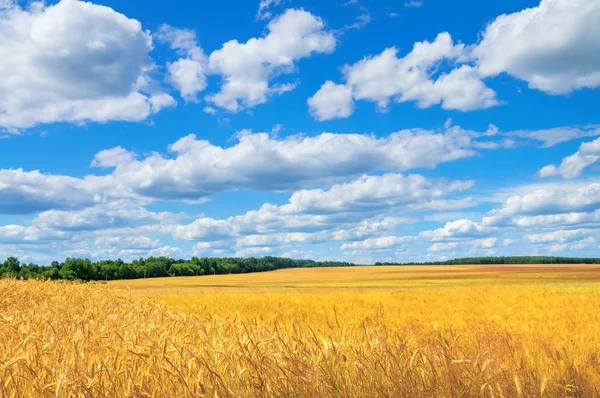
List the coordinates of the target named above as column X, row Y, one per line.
column 554, row 199
column 386, row 77
column 572, row 166
column 247, row 69
column 442, row 247
column 161, row 101
column 261, row 162
column 73, row 62
column 384, row 242
column 591, row 219
column 278, row 239
column 459, row 229
column 370, row 227
column 23, row 192
column 554, row 47
column 112, row 215
column 126, row 242
column 372, row 192
column 188, row 74
column 558, row 217
column 20, row 235
column 332, row 101
column 4, row 4
column 560, row 236
column 317, row 210
column 195, row 170
column 475, row 245
column 518, row 44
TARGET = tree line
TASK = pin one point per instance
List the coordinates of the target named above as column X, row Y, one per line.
column 507, row 260
column 152, row 267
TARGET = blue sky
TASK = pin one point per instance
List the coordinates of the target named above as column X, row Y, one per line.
column 360, row 130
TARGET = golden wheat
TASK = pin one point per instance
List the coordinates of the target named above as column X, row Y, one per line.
column 60, row 339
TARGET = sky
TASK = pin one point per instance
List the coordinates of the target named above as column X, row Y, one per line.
column 354, row 130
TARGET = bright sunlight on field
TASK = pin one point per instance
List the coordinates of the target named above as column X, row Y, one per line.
column 360, row 331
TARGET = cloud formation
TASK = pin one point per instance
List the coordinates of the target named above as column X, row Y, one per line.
column 554, row 47
column 386, row 77
column 74, row 62
column 187, row 74
column 572, row 166
column 517, row 44
column 248, row 69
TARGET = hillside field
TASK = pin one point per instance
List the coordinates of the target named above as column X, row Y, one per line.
column 493, row 331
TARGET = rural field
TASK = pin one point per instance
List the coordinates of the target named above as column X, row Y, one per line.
column 492, row 331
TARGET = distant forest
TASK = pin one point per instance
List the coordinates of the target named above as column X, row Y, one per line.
column 153, row 267
column 507, row 260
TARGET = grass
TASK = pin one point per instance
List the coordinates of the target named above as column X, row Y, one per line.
column 366, row 331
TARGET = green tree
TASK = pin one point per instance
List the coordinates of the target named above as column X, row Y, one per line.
column 12, row 264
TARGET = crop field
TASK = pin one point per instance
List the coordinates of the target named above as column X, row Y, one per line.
column 492, row 331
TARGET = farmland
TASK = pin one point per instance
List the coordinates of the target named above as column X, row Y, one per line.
column 360, row 331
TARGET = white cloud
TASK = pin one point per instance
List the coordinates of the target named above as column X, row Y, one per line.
column 332, row 101
column 487, row 243
column 274, row 239
column 253, row 251
column 112, row 157
column 576, row 245
column 560, row 236
column 4, row 4
column 18, row 234
column 557, row 135
column 263, row 8
column 341, row 210
column 165, row 251
column 112, row 215
column 24, row 192
column 572, row 166
column 160, row 101
column 461, row 89
column 196, row 170
column 261, row 162
column 369, row 227
column 475, row 245
column 247, row 69
column 206, row 229
column 73, row 62
column 554, row 46
column 565, row 219
column 441, row 247
column 459, row 229
column 126, row 242
column 385, row 77
column 551, row 200
column 372, row 192
column 209, row 110
column 188, row 75
column 384, row 242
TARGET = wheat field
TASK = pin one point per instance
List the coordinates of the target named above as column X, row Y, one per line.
column 524, row 331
